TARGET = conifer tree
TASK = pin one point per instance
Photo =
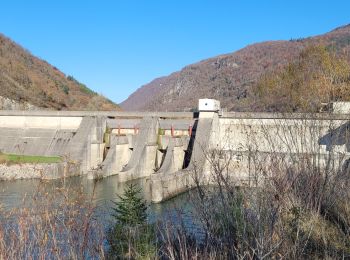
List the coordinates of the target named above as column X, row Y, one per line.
column 132, row 237
column 131, row 208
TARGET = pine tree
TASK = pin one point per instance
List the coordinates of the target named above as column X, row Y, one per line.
column 132, row 237
column 131, row 208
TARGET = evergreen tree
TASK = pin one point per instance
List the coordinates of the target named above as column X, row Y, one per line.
column 131, row 208
column 131, row 237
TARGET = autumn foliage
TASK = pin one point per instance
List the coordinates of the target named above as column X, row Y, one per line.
column 318, row 76
column 25, row 78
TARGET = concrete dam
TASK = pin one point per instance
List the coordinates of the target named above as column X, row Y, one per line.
column 176, row 150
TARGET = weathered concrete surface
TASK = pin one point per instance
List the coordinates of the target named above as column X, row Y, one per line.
column 179, row 124
column 176, row 127
column 142, row 160
column 255, row 146
column 123, row 123
column 174, row 157
column 29, row 141
column 45, row 171
column 280, row 135
column 182, row 140
column 165, row 186
column 81, row 148
column 122, row 155
column 202, row 142
column 117, row 158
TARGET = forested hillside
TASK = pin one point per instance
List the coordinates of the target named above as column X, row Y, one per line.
column 27, row 82
column 232, row 78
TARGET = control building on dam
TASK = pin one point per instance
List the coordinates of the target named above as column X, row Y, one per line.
column 176, row 150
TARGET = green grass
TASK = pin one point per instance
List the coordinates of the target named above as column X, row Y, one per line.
column 15, row 158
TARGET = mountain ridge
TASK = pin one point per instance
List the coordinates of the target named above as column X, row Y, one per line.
column 227, row 77
column 28, row 82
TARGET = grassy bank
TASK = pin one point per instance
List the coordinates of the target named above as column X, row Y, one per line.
column 15, row 158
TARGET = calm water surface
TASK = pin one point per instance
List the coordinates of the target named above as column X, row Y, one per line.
column 104, row 192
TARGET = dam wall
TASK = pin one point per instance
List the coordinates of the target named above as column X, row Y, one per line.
column 255, row 144
column 308, row 133
column 248, row 147
column 111, row 142
column 176, row 151
column 69, row 136
column 197, row 170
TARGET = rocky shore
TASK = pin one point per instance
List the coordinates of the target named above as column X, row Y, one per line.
column 45, row 171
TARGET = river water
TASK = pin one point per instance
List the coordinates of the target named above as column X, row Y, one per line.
column 102, row 192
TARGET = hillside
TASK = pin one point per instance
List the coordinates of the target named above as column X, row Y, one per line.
column 230, row 77
column 27, row 82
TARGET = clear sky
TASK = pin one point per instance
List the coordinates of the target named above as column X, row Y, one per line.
column 116, row 46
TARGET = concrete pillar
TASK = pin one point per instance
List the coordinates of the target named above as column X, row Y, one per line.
column 122, row 156
column 96, row 154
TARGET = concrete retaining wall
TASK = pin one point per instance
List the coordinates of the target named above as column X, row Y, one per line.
column 166, row 186
column 250, row 145
column 254, row 146
column 283, row 135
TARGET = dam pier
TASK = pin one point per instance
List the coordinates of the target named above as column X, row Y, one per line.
column 175, row 150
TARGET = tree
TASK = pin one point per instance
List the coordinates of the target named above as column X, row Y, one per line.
column 131, row 209
column 318, row 75
column 131, row 237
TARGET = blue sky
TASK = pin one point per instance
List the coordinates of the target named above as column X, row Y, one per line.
column 114, row 47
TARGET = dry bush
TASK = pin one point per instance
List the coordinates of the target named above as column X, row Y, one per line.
column 298, row 209
column 54, row 224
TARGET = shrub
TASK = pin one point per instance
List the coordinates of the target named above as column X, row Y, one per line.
column 52, row 224
column 65, row 89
